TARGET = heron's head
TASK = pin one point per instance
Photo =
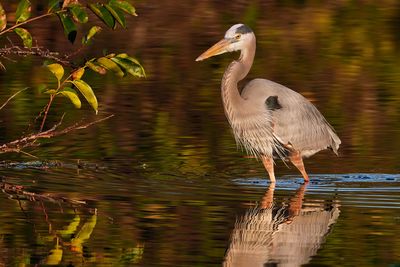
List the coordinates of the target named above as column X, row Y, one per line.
column 238, row 37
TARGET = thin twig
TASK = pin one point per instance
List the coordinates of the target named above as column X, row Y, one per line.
column 31, row 140
column 25, row 22
column 46, row 216
column 28, row 154
column 33, row 51
column 37, row 117
column 76, row 52
column 11, row 97
column 46, row 111
column 94, row 122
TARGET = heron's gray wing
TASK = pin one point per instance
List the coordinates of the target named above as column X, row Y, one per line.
column 295, row 120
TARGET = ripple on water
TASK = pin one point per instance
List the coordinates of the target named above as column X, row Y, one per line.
column 369, row 190
column 323, row 179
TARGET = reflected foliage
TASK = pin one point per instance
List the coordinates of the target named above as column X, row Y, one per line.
column 61, row 228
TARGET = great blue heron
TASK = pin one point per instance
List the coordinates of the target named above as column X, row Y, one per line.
column 268, row 119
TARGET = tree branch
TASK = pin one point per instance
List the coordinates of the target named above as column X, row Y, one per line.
column 25, row 22
column 33, row 51
column 11, row 97
column 31, row 140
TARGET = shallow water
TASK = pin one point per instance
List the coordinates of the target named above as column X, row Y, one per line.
column 163, row 184
column 171, row 219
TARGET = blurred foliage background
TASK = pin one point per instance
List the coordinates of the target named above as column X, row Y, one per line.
column 342, row 56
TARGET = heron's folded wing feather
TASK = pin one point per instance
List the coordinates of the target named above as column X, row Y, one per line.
column 296, row 122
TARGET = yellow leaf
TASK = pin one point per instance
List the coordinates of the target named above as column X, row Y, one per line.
column 3, row 18
column 57, row 70
column 72, row 95
column 87, row 92
column 111, row 65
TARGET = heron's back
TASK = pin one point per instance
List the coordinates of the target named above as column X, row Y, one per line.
column 294, row 119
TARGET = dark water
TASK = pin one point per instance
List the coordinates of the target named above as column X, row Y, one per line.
column 162, row 183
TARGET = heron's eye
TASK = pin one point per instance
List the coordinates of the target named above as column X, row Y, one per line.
column 237, row 36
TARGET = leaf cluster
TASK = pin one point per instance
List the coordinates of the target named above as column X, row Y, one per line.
column 121, row 65
column 75, row 243
column 70, row 14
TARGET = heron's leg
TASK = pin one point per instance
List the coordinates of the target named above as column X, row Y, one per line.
column 269, row 166
column 297, row 161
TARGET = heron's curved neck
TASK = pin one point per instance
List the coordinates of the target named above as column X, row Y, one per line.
column 235, row 72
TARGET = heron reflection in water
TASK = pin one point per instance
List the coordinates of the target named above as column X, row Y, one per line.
column 268, row 119
column 279, row 234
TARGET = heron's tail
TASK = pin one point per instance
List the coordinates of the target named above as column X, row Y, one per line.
column 335, row 141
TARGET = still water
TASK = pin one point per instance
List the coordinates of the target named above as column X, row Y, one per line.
column 162, row 182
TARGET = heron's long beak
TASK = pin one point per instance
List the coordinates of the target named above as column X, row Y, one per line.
column 217, row 49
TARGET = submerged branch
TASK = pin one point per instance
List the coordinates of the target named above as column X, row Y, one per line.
column 31, row 140
column 17, row 192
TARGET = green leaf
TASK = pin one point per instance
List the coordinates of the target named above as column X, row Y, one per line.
column 96, row 67
column 3, row 18
column 134, row 60
column 69, row 26
column 87, row 92
column 25, row 36
column 57, row 70
column 111, row 65
column 131, row 65
column 92, row 32
column 78, row 13
column 123, row 5
column 53, row 5
column 72, row 95
column 23, row 11
column 103, row 14
column 117, row 14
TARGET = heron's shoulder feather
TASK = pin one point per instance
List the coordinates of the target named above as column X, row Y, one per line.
column 263, row 88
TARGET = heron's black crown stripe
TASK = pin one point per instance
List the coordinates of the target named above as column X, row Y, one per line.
column 272, row 103
column 243, row 29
